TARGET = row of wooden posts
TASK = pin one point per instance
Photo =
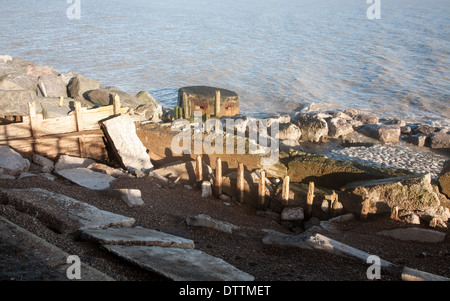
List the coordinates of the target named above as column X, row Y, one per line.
column 333, row 198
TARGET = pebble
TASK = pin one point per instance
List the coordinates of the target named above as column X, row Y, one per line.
column 392, row 156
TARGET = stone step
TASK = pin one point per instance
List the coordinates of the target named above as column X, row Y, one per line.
column 136, row 236
column 62, row 213
column 180, row 264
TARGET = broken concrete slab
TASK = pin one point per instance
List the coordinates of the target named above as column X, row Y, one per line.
column 180, row 264
column 292, row 214
column 69, row 162
column 87, row 178
column 62, row 213
column 407, row 192
column 409, row 274
column 316, row 242
column 128, row 149
column 131, row 197
column 11, row 162
column 415, row 234
column 203, row 220
column 321, row 242
column 137, row 237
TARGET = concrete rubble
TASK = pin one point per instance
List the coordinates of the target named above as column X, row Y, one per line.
column 127, row 147
column 62, row 213
column 180, row 264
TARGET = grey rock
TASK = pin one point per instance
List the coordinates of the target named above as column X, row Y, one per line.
column 80, row 87
column 15, row 103
column 418, row 139
column 100, row 97
column 289, row 131
column 367, row 119
column 103, row 168
column 47, row 165
column 313, row 128
column 184, row 170
column 128, row 149
column 383, row 133
column 412, row 219
column 12, row 162
column 180, row 264
column 339, row 127
column 53, row 84
column 440, row 141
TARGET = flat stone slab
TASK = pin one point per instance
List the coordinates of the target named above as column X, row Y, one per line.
column 60, row 212
column 409, row 274
column 416, row 234
column 203, row 220
column 180, row 264
column 137, row 236
column 87, row 178
column 126, row 145
column 70, row 162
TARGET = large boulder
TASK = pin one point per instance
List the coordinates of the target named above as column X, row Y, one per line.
column 53, row 86
column 126, row 99
column 312, row 127
column 380, row 196
column 440, row 141
column 339, row 127
column 100, row 97
column 11, row 162
column 381, row 132
column 80, row 87
column 16, row 102
column 444, row 179
column 289, row 131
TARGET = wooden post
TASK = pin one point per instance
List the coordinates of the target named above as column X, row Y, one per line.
column 365, row 209
column 310, row 199
column 218, row 176
column 394, row 213
column 199, row 169
column 240, row 182
column 116, row 104
column 186, row 110
column 35, row 120
column 285, row 191
column 262, row 189
column 334, row 203
column 217, row 104
column 79, row 116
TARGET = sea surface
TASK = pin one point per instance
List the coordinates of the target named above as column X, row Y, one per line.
column 278, row 55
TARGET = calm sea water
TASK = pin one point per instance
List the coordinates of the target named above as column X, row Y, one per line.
column 278, row 55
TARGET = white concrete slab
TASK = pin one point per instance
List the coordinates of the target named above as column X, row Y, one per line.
column 180, row 264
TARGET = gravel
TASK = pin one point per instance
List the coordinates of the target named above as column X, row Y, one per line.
column 167, row 207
